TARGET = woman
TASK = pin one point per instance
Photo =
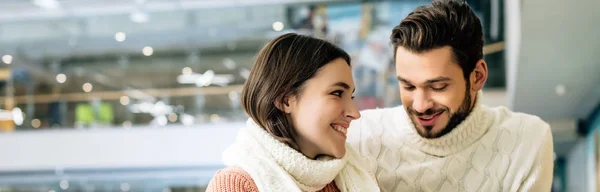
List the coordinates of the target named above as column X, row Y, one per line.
column 299, row 99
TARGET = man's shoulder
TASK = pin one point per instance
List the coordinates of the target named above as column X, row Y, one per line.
column 525, row 137
column 517, row 121
column 529, row 129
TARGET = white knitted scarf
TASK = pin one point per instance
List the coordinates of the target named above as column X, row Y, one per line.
column 274, row 166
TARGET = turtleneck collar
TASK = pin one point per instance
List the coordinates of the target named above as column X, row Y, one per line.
column 465, row 134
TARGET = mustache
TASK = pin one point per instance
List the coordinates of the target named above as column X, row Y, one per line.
column 427, row 112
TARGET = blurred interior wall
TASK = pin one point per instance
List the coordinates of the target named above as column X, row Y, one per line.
column 562, row 35
column 147, row 147
column 578, row 169
column 583, row 161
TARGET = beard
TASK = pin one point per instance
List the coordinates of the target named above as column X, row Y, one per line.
column 454, row 118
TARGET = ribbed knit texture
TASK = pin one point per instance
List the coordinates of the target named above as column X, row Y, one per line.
column 274, row 166
column 494, row 149
column 234, row 179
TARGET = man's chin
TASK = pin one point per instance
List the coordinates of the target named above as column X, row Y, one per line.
column 429, row 132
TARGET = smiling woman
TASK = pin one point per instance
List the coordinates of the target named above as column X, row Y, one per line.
column 299, row 98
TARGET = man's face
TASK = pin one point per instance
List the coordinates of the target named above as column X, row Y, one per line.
column 433, row 90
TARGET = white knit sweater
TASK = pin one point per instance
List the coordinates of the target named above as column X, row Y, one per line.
column 494, row 149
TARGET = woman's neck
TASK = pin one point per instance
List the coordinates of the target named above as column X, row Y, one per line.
column 307, row 149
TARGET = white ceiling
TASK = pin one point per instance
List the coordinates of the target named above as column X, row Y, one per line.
column 81, row 27
column 27, row 10
column 557, row 53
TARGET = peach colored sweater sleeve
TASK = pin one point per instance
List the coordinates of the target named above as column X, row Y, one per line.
column 235, row 179
column 232, row 179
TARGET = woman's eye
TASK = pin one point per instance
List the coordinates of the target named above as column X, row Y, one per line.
column 338, row 93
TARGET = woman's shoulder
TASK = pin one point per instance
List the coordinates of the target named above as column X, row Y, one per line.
column 233, row 179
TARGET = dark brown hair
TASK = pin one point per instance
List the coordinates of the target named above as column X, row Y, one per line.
column 281, row 68
column 443, row 23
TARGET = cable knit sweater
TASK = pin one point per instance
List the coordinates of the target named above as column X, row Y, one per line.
column 494, row 149
column 234, row 179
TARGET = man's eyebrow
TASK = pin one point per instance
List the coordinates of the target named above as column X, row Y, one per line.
column 438, row 79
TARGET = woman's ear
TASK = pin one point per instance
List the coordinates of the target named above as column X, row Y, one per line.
column 284, row 103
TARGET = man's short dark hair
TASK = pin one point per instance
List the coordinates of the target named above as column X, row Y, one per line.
column 442, row 23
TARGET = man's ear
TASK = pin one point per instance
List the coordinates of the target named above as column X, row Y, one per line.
column 478, row 76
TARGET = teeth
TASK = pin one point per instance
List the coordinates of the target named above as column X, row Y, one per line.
column 340, row 129
column 428, row 117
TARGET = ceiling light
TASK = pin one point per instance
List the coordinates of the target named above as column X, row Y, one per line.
column 205, row 79
column 172, row 117
column 17, row 116
column 7, row 59
column 186, row 71
column 120, row 36
column 87, row 87
column 187, row 119
column 36, row 123
column 61, row 78
column 277, row 26
column 147, row 51
column 161, row 120
column 124, row 100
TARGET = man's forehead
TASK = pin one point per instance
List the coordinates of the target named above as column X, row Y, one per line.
column 426, row 65
column 422, row 74
column 435, row 60
column 427, row 69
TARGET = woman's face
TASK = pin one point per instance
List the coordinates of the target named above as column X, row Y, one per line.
column 323, row 110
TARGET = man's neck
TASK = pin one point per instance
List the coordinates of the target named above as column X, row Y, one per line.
column 464, row 134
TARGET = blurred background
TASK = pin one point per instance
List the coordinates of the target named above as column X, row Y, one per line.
column 143, row 95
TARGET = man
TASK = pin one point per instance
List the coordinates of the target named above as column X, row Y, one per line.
column 442, row 138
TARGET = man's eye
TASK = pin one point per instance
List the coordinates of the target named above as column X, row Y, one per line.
column 439, row 88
